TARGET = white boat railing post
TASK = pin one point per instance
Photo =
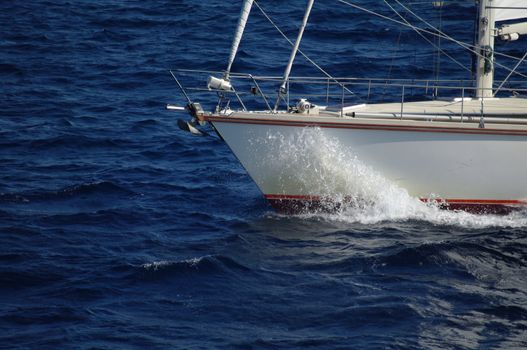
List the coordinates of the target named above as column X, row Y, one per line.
column 462, row 102
column 402, row 102
column 327, row 92
column 342, row 103
column 482, row 115
column 288, row 95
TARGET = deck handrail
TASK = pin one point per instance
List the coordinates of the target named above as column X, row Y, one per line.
column 462, row 86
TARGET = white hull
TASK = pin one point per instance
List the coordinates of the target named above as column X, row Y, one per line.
column 466, row 152
column 457, row 163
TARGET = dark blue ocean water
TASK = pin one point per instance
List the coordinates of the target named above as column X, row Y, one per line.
column 118, row 231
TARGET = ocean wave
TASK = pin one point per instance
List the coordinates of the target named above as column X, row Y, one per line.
column 68, row 141
column 90, row 189
column 117, row 228
column 208, row 264
column 443, row 257
column 45, row 315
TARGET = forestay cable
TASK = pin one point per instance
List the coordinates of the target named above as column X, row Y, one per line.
column 426, row 39
column 462, row 44
column 244, row 15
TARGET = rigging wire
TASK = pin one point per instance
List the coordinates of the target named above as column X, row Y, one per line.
column 506, row 79
column 460, row 43
column 438, row 58
column 395, row 51
column 437, row 32
column 425, row 38
column 475, row 28
column 300, row 51
column 472, row 48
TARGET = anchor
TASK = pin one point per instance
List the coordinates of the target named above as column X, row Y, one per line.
column 194, row 109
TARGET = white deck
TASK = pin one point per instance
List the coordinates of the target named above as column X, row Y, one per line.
column 495, row 107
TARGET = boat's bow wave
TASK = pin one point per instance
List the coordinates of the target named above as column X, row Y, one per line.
column 335, row 178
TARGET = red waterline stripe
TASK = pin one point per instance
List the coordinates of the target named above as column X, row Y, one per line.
column 383, row 127
column 283, row 196
column 476, row 201
column 426, row 200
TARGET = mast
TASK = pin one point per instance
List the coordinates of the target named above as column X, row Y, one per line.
column 282, row 91
column 242, row 21
column 485, row 65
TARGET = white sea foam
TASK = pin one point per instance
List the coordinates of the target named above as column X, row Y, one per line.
column 330, row 170
column 156, row 265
